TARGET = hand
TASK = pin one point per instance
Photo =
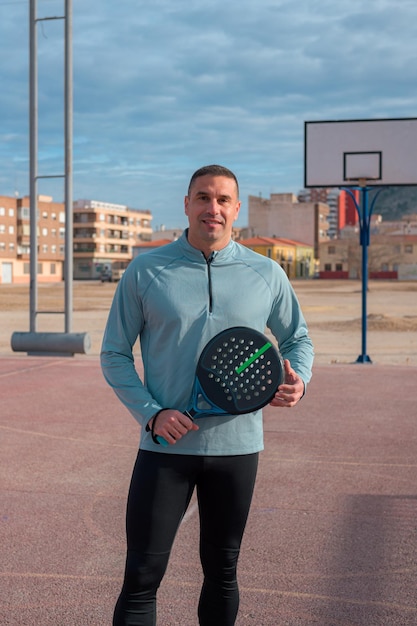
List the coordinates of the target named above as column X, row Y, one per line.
column 291, row 390
column 172, row 425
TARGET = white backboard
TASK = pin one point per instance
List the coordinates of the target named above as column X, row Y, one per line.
column 342, row 153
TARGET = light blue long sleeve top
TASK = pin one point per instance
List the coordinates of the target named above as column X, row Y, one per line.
column 175, row 301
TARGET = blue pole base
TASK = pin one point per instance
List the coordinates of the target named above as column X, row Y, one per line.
column 363, row 358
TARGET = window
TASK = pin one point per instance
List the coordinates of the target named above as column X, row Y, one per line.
column 45, row 215
column 24, row 213
column 2, row 211
column 45, row 248
column 11, row 212
column 327, row 267
column 11, row 230
column 331, row 250
column 26, row 268
column 53, row 268
column 408, row 249
column 339, row 267
column 44, row 232
column 2, row 229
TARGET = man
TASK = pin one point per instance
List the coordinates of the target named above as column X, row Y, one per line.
column 175, row 299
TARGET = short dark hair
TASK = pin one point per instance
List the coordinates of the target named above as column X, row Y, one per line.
column 213, row 170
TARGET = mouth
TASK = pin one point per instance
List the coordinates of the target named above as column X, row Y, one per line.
column 211, row 222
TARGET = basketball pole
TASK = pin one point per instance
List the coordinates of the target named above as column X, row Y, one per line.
column 364, row 214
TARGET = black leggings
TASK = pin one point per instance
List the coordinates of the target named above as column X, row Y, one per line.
column 160, row 491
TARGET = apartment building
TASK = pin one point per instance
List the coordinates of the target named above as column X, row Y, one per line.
column 283, row 216
column 8, row 237
column 15, row 239
column 105, row 235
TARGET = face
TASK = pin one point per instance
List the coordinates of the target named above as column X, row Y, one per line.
column 211, row 207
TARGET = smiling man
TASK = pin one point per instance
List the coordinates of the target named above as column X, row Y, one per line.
column 212, row 205
column 175, row 299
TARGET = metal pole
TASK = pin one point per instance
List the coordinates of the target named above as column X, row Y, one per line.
column 68, row 168
column 364, row 240
column 33, row 169
column 50, row 343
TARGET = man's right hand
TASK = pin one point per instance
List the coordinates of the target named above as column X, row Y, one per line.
column 172, row 425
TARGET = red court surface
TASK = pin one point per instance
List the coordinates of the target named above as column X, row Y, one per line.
column 331, row 538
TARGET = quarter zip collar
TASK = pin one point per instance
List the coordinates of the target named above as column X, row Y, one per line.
column 197, row 255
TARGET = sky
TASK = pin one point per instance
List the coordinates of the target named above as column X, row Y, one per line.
column 164, row 87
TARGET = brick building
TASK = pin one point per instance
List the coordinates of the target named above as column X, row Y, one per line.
column 15, row 239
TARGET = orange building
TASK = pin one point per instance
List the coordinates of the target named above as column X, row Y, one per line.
column 15, row 239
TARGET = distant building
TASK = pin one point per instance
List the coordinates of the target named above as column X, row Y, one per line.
column 15, row 239
column 106, row 234
column 104, row 237
column 295, row 258
column 283, row 216
column 342, row 210
column 348, row 214
column 390, row 256
column 406, row 226
column 8, row 238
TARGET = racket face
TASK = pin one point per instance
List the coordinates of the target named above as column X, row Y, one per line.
column 239, row 370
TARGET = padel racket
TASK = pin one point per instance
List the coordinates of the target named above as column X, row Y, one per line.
column 239, row 371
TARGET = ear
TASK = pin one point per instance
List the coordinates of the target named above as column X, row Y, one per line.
column 237, row 211
column 186, row 201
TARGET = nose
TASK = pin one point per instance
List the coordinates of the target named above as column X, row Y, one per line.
column 212, row 207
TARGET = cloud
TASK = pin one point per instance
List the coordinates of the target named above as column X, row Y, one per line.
column 161, row 88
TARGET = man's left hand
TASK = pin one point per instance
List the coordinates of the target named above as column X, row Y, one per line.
column 291, row 390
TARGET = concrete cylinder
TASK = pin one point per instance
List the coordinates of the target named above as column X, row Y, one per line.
column 50, row 343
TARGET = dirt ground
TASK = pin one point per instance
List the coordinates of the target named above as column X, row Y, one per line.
column 333, row 310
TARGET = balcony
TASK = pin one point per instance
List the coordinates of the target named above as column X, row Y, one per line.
column 84, row 233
